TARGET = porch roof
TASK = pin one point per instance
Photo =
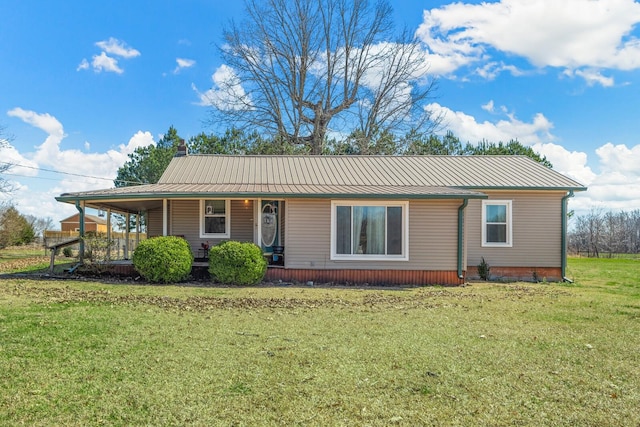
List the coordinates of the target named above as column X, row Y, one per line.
column 144, row 197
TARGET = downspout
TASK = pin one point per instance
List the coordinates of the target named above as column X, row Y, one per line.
column 81, row 221
column 563, row 239
column 461, row 236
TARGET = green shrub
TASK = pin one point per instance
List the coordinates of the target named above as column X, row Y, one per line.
column 165, row 259
column 236, row 263
column 67, row 252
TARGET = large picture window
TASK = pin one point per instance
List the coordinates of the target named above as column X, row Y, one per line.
column 369, row 230
column 214, row 218
column 496, row 223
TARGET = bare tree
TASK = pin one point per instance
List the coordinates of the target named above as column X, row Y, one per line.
column 615, row 233
column 39, row 224
column 299, row 69
column 5, row 185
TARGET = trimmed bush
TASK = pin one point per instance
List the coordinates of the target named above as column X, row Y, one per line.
column 165, row 259
column 67, row 252
column 235, row 263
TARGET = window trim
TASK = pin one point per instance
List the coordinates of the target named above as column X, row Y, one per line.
column 359, row 257
column 509, row 242
column 227, row 221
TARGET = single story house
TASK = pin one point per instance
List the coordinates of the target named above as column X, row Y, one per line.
column 362, row 219
column 91, row 223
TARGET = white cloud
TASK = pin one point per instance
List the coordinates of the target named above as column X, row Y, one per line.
column 620, row 158
column 84, row 65
column 21, row 165
column 183, row 63
column 107, row 63
column 103, row 62
column 488, row 106
column 575, row 34
column 571, row 163
column 617, row 185
column 491, row 70
column 591, row 76
column 467, row 128
column 611, row 172
column 227, row 92
column 49, row 154
column 45, row 122
column 118, row 48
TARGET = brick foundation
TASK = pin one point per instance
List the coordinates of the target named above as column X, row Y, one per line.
column 366, row 277
column 363, row 277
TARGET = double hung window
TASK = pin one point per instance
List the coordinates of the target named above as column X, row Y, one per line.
column 214, row 218
column 496, row 223
column 369, row 230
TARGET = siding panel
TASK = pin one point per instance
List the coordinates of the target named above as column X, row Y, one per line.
column 537, row 231
column 186, row 222
column 154, row 222
column 184, row 215
column 432, row 237
column 242, row 220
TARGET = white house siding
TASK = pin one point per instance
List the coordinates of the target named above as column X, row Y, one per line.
column 537, row 230
column 432, row 237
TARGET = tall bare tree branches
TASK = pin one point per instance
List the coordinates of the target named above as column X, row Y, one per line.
column 299, row 69
column 5, row 185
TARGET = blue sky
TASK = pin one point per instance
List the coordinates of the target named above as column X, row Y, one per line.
column 82, row 84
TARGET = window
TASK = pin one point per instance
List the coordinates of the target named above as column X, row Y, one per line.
column 496, row 223
column 214, row 218
column 369, row 231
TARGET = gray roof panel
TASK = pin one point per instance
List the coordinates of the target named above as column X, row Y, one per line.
column 341, row 176
column 439, row 171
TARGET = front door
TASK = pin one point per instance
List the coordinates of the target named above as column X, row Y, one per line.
column 270, row 225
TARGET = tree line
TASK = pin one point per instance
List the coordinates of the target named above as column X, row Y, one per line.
column 146, row 164
column 600, row 233
column 17, row 229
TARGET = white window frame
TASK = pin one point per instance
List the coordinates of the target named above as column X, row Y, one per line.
column 509, row 223
column 359, row 257
column 227, row 221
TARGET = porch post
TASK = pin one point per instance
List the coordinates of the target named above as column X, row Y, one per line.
column 164, row 217
column 138, row 228
column 108, row 234
column 126, row 236
column 80, row 208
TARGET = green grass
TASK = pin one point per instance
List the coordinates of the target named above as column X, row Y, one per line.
column 615, row 275
column 83, row 353
column 30, row 259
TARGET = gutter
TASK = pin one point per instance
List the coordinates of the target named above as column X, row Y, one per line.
column 563, row 238
column 461, row 235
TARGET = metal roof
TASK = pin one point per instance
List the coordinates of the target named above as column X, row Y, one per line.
column 388, row 177
column 470, row 172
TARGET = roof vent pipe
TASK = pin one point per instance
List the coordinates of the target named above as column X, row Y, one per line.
column 182, row 149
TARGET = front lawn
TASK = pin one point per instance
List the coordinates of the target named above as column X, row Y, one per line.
column 88, row 353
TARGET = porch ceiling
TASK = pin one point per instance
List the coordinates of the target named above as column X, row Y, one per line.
column 123, row 206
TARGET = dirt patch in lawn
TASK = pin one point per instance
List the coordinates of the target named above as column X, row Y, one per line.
column 425, row 298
